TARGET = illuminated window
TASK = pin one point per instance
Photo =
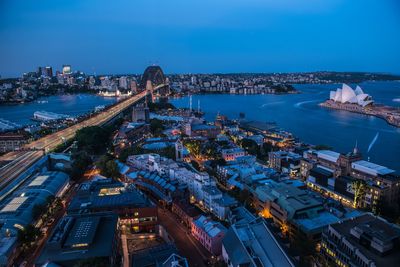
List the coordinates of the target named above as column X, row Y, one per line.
column 80, row 245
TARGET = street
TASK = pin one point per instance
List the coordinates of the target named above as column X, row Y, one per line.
column 187, row 246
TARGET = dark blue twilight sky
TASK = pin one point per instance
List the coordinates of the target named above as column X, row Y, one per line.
column 200, row 35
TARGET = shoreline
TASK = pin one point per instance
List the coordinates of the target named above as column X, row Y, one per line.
column 379, row 111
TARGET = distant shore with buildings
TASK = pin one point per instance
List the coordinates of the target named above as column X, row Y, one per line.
column 44, row 82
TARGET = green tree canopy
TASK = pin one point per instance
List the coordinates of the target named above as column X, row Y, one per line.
column 93, row 139
column 81, row 161
column 250, row 146
column 28, row 235
column 156, row 127
column 108, row 167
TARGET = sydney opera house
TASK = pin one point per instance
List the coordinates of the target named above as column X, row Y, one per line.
column 347, row 95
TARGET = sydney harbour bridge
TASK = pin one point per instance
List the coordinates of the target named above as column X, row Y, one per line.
column 153, row 83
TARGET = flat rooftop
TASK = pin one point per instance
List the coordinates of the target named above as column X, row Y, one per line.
column 374, row 227
column 39, row 180
column 328, row 155
column 371, row 168
column 83, row 231
column 153, row 257
column 89, row 236
column 107, row 194
column 14, row 204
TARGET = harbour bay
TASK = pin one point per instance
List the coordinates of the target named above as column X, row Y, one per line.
column 301, row 115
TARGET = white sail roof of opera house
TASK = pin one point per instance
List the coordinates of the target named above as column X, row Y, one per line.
column 347, row 95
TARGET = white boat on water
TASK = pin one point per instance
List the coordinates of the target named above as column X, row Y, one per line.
column 396, row 99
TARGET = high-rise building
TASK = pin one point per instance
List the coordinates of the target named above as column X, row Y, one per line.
column 66, row 69
column 49, row 71
column 133, row 86
column 45, row 71
column 123, row 82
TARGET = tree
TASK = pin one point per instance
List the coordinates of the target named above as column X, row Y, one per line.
column 81, row 161
column 193, row 146
column 108, row 167
column 112, row 169
column 93, row 139
column 210, row 150
column 359, row 188
column 250, row 146
column 162, row 104
column 28, row 235
column 156, row 127
column 267, row 147
column 37, row 210
column 124, row 154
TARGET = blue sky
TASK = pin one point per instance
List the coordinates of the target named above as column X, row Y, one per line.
column 200, row 35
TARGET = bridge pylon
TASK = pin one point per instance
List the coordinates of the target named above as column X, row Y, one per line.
column 150, row 91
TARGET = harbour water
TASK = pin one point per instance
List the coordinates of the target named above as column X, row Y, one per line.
column 301, row 115
column 297, row 113
column 72, row 105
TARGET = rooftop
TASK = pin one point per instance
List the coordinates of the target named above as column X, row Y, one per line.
column 80, row 237
column 158, row 256
column 371, row 168
column 289, row 197
column 107, row 194
column 328, row 155
column 210, row 227
column 252, row 244
column 375, row 230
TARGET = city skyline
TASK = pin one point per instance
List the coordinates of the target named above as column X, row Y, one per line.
column 239, row 36
column 200, row 133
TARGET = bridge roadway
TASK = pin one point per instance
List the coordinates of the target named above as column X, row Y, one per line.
column 32, row 152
